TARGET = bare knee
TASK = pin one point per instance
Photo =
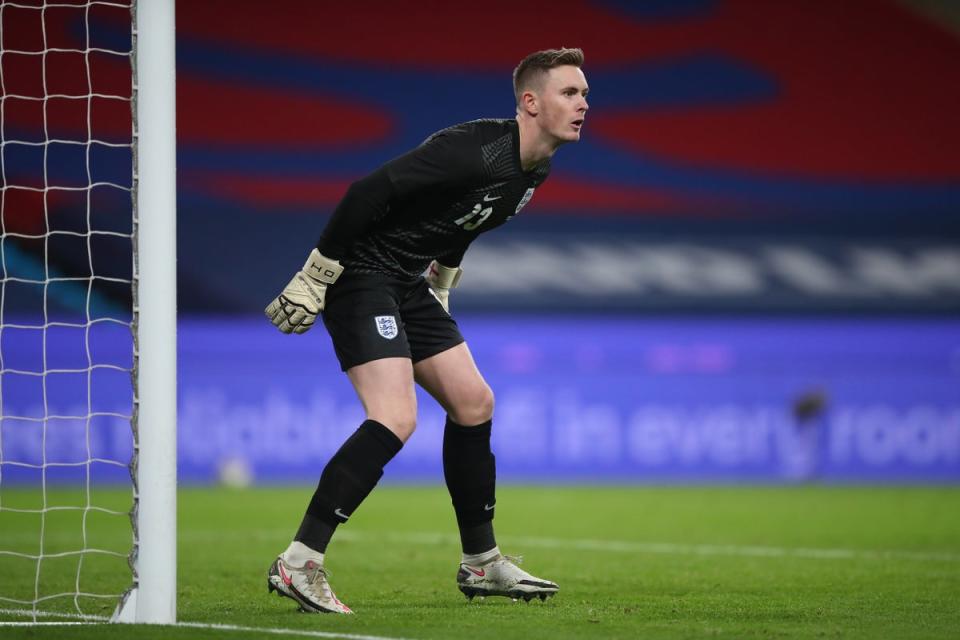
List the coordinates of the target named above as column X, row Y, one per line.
column 474, row 407
column 401, row 423
column 385, row 388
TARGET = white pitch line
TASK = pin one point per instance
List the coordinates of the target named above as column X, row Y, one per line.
column 83, row 619
column 286, row 632
column 99, row 620
column 737, row 550
column 46, row 624
column 621, row 546
column 607, row 546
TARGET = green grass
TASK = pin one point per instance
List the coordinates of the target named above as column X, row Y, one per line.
column 737, row 563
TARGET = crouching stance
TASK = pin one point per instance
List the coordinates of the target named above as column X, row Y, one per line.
column 380, row 278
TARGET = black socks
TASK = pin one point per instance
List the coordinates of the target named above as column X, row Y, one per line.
column 350, row 475
column 469, row 468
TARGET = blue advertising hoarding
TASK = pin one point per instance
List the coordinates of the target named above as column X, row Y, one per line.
column 579, row 398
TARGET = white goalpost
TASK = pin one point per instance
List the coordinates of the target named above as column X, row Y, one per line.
column 87, row 311
column 155, row 310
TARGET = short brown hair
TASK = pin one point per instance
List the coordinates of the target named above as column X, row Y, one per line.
column 537, row 64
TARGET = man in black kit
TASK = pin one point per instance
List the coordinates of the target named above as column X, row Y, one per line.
column 391, row 327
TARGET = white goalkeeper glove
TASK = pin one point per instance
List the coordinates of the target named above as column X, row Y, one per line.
column 296, row 308
column 441, row 279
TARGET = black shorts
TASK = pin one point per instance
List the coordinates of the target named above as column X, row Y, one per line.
column 371, row 316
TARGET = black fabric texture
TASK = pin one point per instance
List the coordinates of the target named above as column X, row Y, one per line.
column 433, row 201
column 469, row 468
column 478, row 538
column 365, row 202
column 349, row 477
column 370, row 316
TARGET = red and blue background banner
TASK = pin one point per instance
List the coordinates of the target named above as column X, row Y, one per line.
column 763, row 206
column 812, row 145
column 810, row 149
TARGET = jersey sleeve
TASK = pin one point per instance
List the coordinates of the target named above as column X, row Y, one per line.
column 454, row 257
column 446, row 160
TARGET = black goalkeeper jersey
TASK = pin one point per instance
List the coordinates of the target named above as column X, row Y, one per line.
column 429, row 204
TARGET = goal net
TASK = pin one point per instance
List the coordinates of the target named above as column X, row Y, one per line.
column 70, row 498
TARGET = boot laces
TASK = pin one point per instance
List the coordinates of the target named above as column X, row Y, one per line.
column 317, row 579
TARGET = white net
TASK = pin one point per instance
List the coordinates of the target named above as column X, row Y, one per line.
column 67, row 354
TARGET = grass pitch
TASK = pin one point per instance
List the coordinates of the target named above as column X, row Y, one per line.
column 681, row 562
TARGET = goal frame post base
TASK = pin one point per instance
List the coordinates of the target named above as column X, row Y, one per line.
column 126, row 611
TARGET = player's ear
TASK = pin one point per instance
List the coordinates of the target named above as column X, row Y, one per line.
column 529, row 103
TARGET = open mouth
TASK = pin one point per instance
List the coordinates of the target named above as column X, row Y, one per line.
column 577, row 123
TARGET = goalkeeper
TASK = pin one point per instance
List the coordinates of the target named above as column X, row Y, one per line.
column 391, row 326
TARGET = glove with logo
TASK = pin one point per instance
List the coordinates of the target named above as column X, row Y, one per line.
column 441, row 279
column 296, row 308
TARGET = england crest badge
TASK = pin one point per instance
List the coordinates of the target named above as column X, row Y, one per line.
column 524, row 200
column 387, row 326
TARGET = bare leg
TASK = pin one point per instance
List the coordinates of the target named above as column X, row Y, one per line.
column 385, row 387
column 452, row 378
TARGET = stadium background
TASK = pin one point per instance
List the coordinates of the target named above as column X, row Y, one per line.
column 747, row 270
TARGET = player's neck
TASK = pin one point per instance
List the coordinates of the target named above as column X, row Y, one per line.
column 535, row 148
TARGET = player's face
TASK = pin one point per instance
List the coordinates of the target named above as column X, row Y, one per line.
column 564, row 103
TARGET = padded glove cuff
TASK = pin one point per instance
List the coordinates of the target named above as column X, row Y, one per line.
column 321, row 268
column 446, row 277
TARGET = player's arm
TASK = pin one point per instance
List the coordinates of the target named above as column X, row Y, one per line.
column 298, row 305
column 439, row 163
column 448, row 160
